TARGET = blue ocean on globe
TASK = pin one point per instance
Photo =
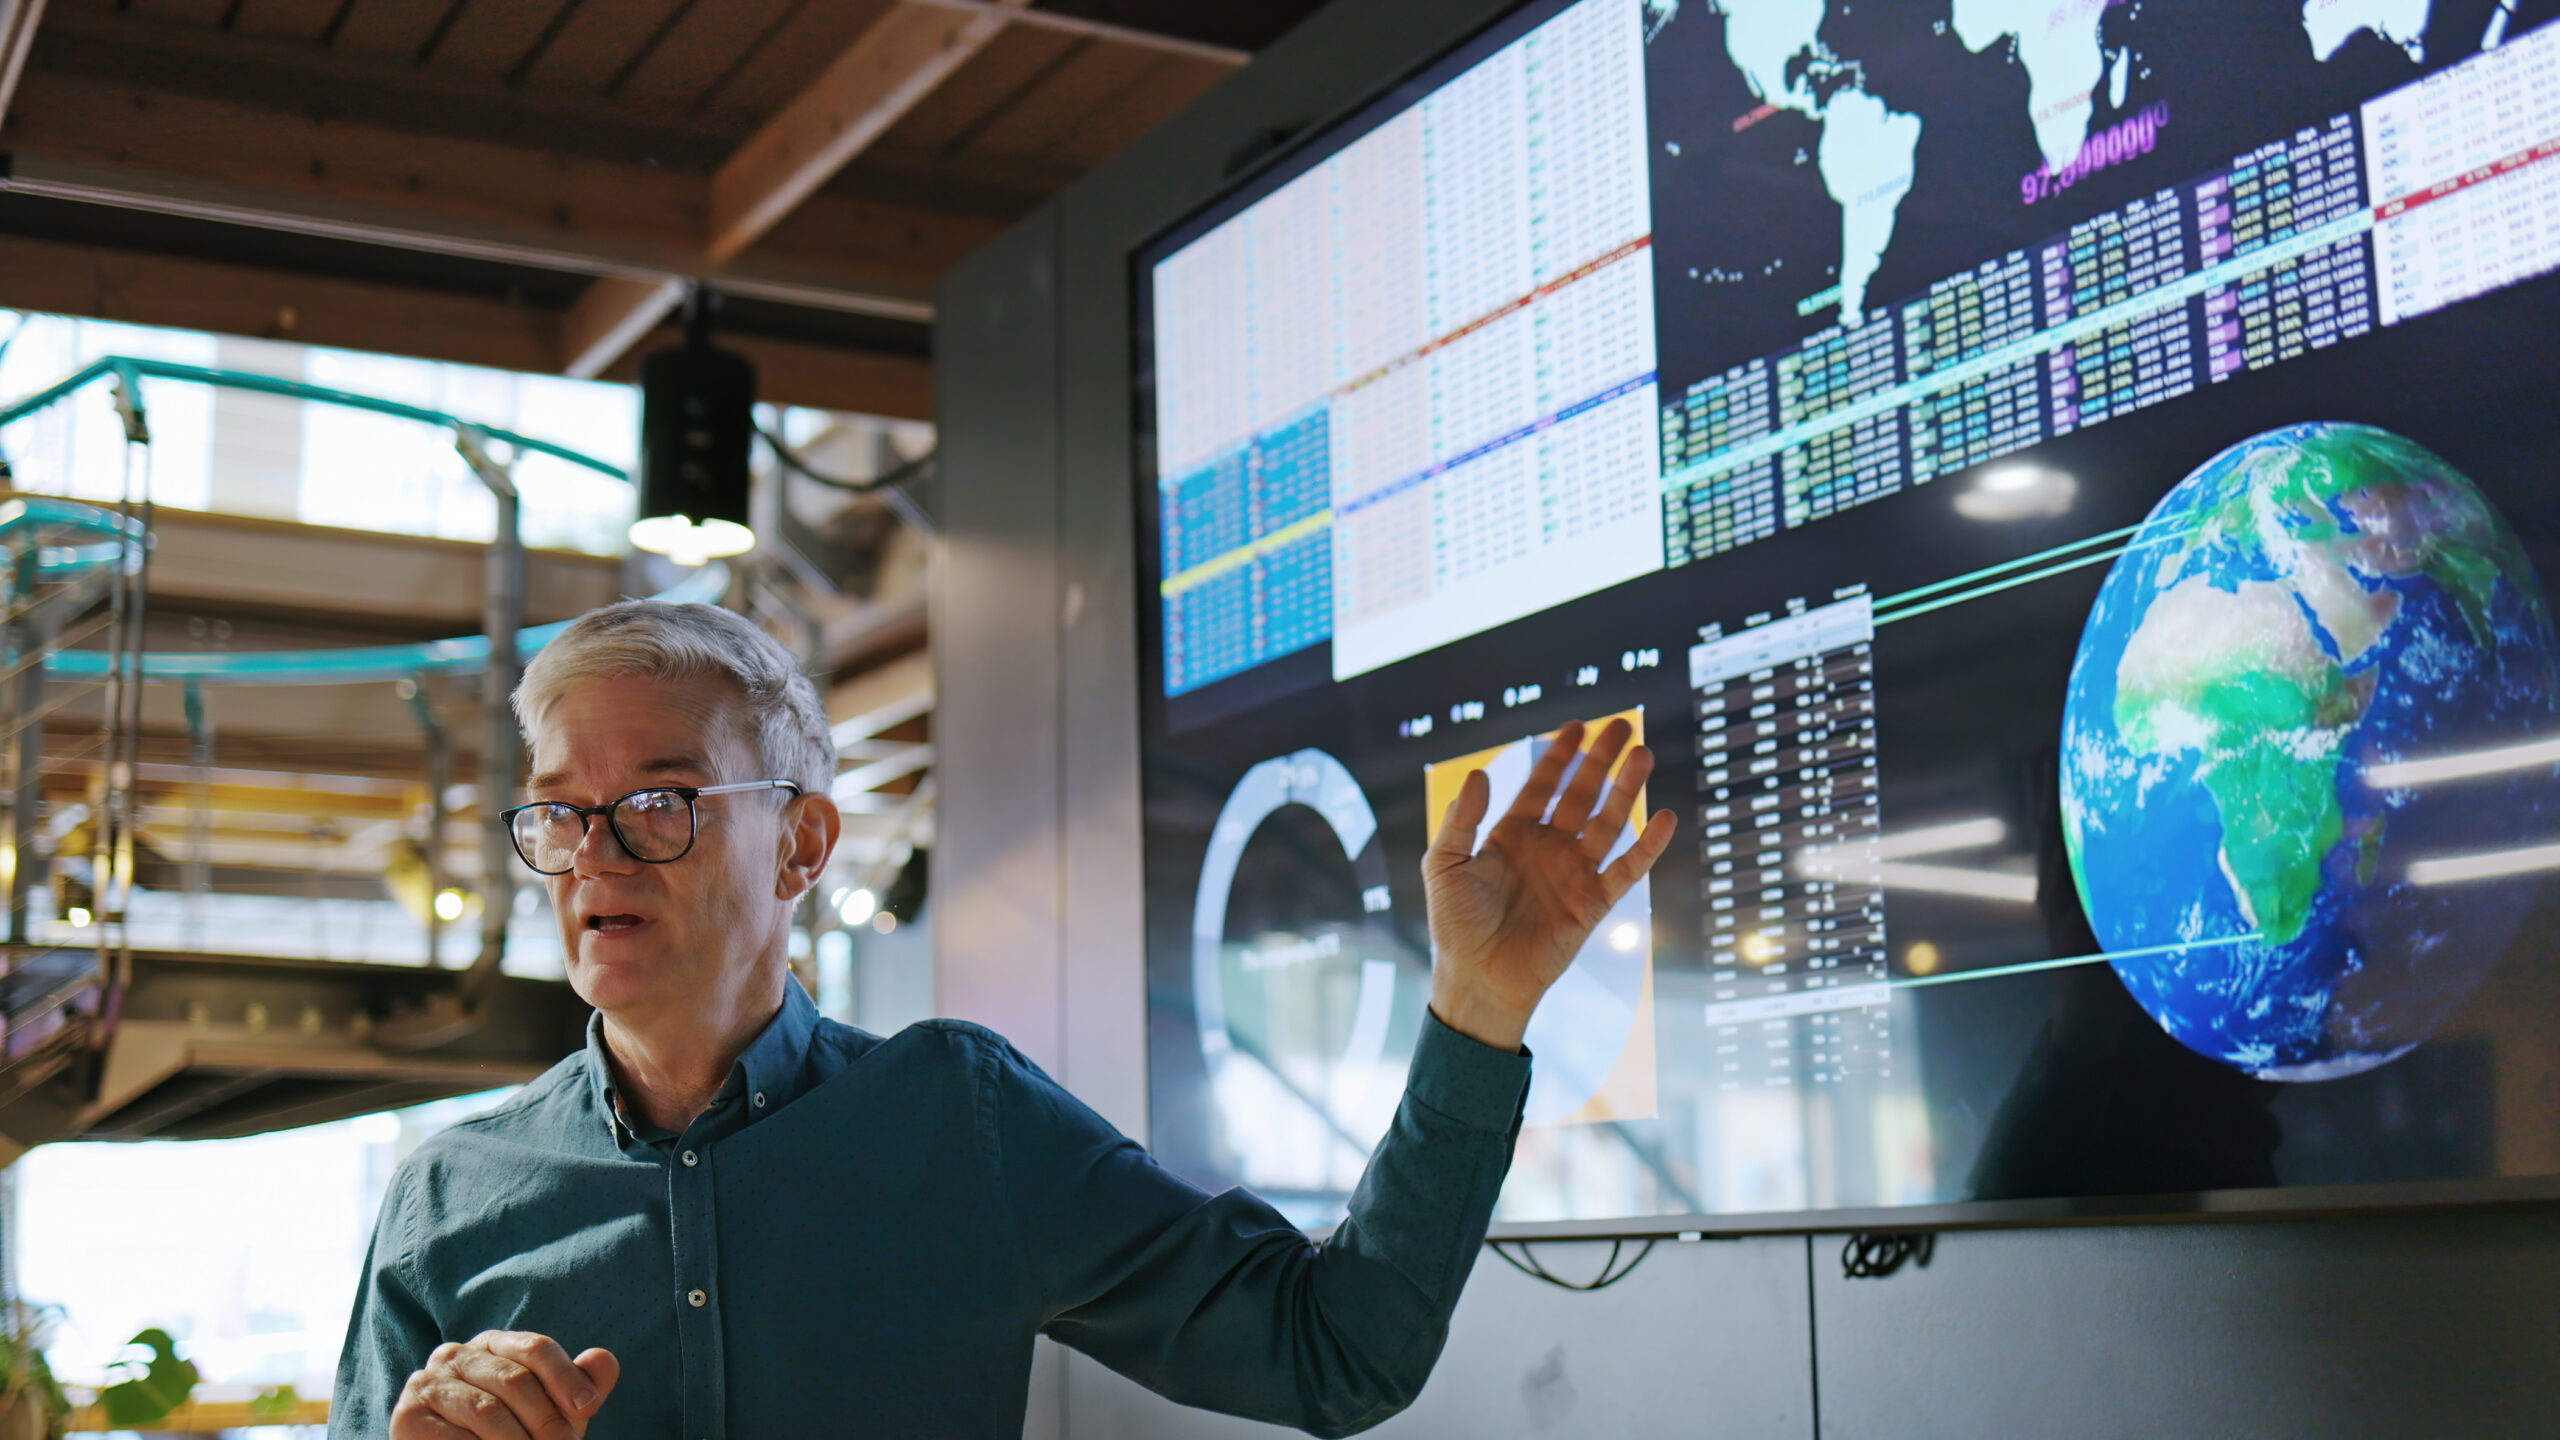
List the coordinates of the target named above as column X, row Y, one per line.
column 2301, row 783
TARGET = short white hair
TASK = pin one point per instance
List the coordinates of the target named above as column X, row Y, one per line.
column 654, row 640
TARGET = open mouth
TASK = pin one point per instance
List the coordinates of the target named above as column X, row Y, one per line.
column 614, row 924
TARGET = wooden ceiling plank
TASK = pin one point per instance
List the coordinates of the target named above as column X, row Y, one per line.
column 390, row 29
column 569, row 197
column 490, row 37
column 207, row 13
column 287, row 19
column 1136, row 111
column 101, row 141
column 18, row 21
column 792, row 55
column 92, row 39
column 961, row 104
column 897, row 62
column 1044, row 121
column 705, row 43
column 598, row 41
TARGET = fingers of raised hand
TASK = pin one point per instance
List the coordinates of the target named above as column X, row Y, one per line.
column 1622, row 875
column 1531, row 805
column 1601, row 834
column 1584, row 789
column 1459, row 823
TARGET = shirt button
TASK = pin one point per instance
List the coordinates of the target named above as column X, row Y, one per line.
column 759, row 1099
column 695, row 1298
column 688, row 1157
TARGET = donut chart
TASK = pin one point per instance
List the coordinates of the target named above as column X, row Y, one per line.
column 1320, row 782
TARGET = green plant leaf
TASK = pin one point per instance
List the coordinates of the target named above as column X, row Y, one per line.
column 276, row 1402
column 163, row 1385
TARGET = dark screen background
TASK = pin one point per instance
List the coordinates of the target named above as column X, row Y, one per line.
column 2038, row 1086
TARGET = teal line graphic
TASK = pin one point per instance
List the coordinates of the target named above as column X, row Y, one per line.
column 1992, row 579
column 2024, row 348
column 1992, row 572
column 1995, row 587
column 2031, row 966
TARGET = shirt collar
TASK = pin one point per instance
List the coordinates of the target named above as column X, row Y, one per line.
column 770, row 1070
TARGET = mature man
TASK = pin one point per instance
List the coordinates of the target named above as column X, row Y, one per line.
column 750, row 1221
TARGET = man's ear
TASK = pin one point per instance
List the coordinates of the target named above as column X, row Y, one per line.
column 810, row 827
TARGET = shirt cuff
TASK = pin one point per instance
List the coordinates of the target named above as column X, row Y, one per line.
column 1466, row 1079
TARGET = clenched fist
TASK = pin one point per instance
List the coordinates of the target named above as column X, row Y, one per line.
column 504, row 1385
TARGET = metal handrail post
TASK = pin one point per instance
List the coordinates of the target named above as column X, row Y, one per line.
column 439, row 807
column 500, row 754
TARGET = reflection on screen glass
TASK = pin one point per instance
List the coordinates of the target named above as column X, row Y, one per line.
column 2063, row 489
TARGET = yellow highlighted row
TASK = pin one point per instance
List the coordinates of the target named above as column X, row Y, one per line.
column 1208, row 570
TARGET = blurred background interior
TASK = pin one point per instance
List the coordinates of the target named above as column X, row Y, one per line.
column 243, row 831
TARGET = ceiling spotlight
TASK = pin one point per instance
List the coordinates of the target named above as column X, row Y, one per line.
column 2018, row 492
column 697, row 428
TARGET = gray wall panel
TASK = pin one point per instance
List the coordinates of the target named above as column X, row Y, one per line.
column 1702, row 1342
column 995, row 630
column 2410, row 1326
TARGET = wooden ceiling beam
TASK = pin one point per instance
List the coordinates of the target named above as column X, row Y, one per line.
column 908, row 51
column 606, row 321
column 18, row 20
column 1082, row 28
column 186, row 294
column 897, row 62
column 123, row 143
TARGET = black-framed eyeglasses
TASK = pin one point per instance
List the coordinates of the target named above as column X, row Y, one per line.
column 655, row 825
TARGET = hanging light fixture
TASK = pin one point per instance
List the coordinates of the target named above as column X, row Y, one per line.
column 697, row 426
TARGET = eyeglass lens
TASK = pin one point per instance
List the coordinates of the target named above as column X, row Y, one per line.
column 654, row 825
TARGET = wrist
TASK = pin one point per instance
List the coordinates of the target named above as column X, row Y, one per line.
column 1480, row 1017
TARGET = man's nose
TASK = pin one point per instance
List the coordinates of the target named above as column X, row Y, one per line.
column 600, row 851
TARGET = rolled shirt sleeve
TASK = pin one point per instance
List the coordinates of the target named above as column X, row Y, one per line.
column 1217, row 1300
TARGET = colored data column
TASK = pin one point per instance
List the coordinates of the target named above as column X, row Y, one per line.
column 1248, row 555
column 1738, row 506
column 2112, row 260
column 1958, row 319
column 1855, row 463
column 1787, row 818
column 1715, row 515
column 2306, row 302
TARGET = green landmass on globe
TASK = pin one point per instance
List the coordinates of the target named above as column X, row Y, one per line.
column 2308, row 605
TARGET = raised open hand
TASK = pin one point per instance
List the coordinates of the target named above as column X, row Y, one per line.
column 1508, row 917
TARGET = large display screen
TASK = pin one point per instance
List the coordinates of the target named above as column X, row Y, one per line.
column 2067, row 490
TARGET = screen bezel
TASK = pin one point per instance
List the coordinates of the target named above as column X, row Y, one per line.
column 1308, row 146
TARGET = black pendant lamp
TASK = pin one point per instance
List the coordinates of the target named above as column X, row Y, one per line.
column 697, row 428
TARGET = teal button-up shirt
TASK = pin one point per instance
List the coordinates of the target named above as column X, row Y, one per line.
column 862, row 1235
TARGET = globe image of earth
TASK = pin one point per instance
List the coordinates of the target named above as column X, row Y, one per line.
column 2290, row 751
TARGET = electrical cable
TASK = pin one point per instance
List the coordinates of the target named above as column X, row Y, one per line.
column 1610, row 1271
column 891, row 488
column 892, row 480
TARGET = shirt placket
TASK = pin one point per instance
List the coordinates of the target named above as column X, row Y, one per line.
column 691, row 1208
